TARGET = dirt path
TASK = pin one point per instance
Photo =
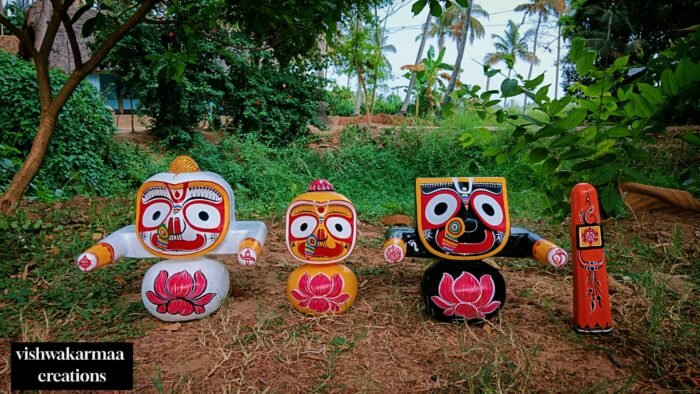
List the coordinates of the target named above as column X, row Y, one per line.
column 256, row 341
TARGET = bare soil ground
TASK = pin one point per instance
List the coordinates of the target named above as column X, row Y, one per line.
column 386, row 343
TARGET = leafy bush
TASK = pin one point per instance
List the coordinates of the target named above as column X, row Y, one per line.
column 340, row 101
column 276, row 104
column 81, row 141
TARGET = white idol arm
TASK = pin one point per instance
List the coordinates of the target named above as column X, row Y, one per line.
column 245, row 239
column 121, row 243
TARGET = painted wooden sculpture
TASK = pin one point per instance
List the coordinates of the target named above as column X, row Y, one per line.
column 591, row 297
column 320, row 232
column 182, row 215
column 461, row 221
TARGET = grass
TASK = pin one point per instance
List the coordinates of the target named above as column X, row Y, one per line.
column 42, row 296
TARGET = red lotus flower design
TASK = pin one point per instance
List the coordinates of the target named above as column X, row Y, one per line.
column 590, row 236
column 180, row 294
column 320, row 293
column 466, row 296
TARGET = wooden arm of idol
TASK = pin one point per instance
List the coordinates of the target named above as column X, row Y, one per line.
column 121, row 243
column 245, row 239
column 400, row 242
column 525, row 243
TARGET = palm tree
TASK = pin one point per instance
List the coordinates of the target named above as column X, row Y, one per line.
column 542, row 9
column 513, row 45
column 443, row 24
column 419, row 56
column 466, row 26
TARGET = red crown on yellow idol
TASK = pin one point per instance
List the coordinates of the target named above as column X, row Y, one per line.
column 320, row 185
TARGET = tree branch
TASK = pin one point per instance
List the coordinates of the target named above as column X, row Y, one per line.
column 79, row 74
column 73, row 40
column 22, row 36
column 51, row 29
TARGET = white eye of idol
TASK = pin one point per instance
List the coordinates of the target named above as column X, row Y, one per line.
column 339, row 227
column 441, row 208
column 155, row 214
column 488, row 209
column 203, row 216
column 303, row 226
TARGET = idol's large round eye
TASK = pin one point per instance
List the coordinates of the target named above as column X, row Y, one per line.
column 203, row 216
column 441, row 208
column 302, row 226
column 488, row 209
column 339, row 227
column 155, row 214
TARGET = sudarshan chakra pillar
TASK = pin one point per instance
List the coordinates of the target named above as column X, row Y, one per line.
column 181, row 216
column 461, row 221
column 321, row 229
column 591, row 298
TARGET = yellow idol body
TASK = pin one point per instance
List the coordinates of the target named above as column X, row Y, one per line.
column 322, row 289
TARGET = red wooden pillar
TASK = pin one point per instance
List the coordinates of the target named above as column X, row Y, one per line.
column 591, row 297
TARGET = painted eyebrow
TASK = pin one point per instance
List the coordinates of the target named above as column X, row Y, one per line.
column 302, row 209
column 341, row 209
column 204, row 193
column 153, row 193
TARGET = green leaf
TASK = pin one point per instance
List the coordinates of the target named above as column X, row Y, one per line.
column 509, row 87
column 531, row 119
column 611, row 201
column 484, row 135
column 641, row 106
column 586, row 165
column 549, row 130
column 691, row 138
column 572, row 119
column 468, row 139
column 576, row 153
column 651, row 94
column 556, row 106
column 618, row 132
column 584, row 64
column 463, row 3
column 669, row 84
column 550, row 165
column 542, row 93
column 564, row 140
column 537, row 155
column 686, row 72
column 492, row 151
column 501, row 115
column 620, row 62
column 502, row 158
column 481, row 114
column 418, row 6
column 519, row 131
column 435, row 8
column 491, row 103
column 533, row 83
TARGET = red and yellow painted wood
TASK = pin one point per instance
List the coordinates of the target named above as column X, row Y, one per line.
column 591, row 298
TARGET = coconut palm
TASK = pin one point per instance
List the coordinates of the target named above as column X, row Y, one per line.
column 466, row 26
column 541, row 9
column 419, row 56
column 511, row 45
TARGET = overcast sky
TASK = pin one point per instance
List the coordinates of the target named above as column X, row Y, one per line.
column 403, row 28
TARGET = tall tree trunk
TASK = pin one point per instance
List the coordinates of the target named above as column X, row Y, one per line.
column 358, row 94
column 419, row 57
column 320, row 74
column 461, row 45
column 51, row 105
column 441, row 41
column 534, row 55
column 556, row 76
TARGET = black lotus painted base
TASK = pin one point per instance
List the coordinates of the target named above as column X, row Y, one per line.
column 471, row 291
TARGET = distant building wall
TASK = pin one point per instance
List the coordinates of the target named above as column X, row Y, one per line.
column 9, row 44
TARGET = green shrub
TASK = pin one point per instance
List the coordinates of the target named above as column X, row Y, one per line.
column 80, row 143
column 340, row 101
column 276, row 104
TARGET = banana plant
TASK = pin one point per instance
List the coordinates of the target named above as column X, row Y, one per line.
column 430, row 77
